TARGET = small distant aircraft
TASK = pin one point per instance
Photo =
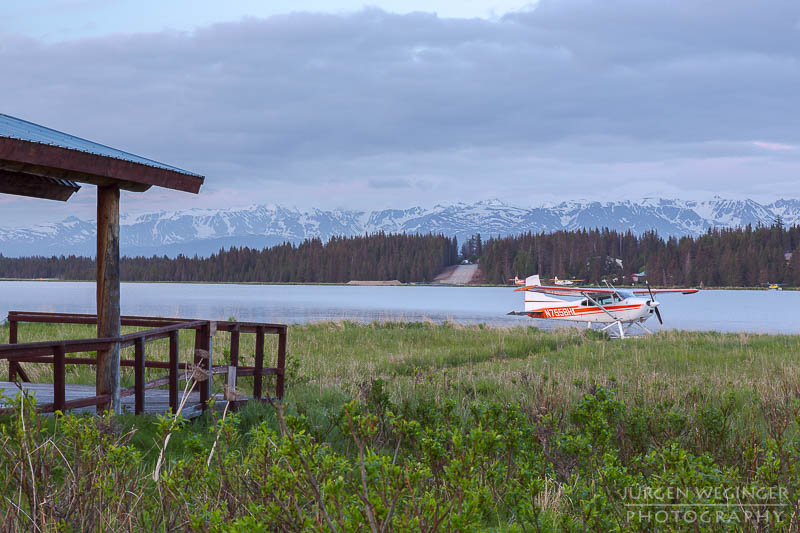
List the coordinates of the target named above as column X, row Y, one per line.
column 616, row 308
column 555, row 280
column 566, row 281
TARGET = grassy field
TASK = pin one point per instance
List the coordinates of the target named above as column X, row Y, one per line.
column 588, row 416
column 541, row 370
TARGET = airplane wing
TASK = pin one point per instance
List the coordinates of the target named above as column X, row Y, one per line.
column 566, row 291
column 594, row 291
column 662, row 291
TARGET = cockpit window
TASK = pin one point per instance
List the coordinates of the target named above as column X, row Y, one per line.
column 608, row 299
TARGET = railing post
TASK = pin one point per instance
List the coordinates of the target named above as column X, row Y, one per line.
column 174, row 338
column 199, row 345
column 259, row 363
column 235, row 345
column 281, row 363
column 138, row 376
column 12, row 339
column 59, row 378
column 14, row 368
column 234, row 362
column 202, row 341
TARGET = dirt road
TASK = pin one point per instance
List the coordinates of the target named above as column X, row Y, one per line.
column 457, row 275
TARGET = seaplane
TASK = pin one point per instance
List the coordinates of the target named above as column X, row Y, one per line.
column 566, row 281
column 617, row 310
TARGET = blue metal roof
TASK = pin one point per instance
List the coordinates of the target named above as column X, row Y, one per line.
column 16, row 128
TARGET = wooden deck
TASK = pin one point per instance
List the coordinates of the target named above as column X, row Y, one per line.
column 144, row 396
column 156, row 400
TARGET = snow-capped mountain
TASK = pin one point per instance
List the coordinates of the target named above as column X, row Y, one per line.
column 205, row 231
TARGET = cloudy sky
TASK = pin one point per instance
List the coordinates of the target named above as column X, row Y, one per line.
column 315, row 103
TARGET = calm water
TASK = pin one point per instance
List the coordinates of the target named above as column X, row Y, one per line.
column 752, row 311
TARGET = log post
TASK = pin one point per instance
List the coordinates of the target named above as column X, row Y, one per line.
column 108, row 312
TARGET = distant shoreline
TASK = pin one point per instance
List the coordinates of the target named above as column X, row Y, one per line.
column 372, row 284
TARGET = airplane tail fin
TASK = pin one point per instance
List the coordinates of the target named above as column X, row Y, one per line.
column 536, row 301
column 532, row 281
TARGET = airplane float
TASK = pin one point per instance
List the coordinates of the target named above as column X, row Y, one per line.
column 612, row 307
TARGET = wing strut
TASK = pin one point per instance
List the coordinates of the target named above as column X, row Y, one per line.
column 600, row 306
column 617, row 322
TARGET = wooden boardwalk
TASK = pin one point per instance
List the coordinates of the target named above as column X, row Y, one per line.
column 156, row 401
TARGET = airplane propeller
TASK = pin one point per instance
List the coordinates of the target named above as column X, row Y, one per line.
column 650, row 303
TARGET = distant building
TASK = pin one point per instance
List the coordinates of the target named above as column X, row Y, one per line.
column 787, row 256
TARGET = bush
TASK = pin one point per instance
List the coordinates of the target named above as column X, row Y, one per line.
column 415, row 466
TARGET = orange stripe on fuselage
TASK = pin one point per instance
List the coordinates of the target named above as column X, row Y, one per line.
column 569, row 311
column 583, row 310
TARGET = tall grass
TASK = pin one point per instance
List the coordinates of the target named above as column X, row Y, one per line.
column 543, row 371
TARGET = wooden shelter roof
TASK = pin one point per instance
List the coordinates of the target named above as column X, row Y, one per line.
column 44, row 163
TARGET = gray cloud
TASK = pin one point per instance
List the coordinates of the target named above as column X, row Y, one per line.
column 319, row 109
column 389, row 183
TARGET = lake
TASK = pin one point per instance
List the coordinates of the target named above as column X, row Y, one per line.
column 721, row 310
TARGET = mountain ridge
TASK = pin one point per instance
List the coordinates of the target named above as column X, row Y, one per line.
column 205, row 231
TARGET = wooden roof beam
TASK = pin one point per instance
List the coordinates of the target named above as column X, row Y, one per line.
column 22, row 184
column 84, row 167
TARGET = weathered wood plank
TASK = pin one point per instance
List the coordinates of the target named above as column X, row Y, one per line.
column 156, row 401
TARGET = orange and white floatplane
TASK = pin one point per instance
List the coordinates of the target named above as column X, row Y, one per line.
column 617, row 310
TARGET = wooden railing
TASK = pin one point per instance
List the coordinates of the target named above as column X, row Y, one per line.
column 55, row 353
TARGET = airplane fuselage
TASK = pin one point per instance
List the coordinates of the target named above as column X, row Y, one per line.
column 584, row 310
